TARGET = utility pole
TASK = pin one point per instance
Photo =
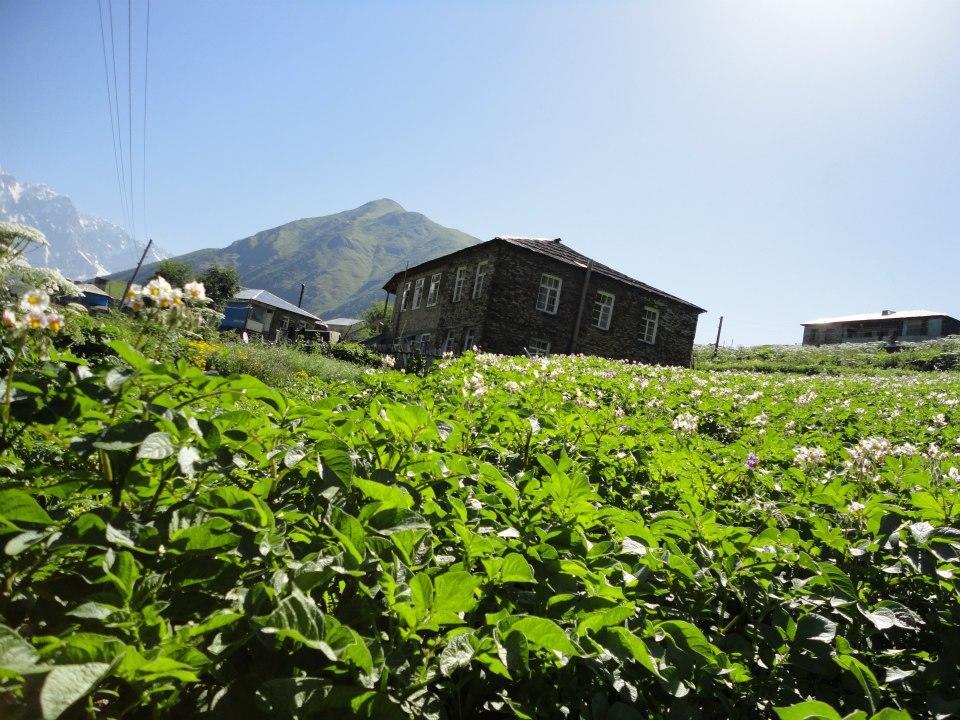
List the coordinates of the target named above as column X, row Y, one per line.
column 300, row 300
column 135, row 272
column 716, row 345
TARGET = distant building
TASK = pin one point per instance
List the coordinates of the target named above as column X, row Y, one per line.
column 344, row 326
column 884, row 326
column 260, row 312
column 91, row 297
column 515, row 295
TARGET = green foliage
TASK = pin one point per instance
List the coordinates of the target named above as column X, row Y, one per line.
column 281, row 365
column 175, row 272
column 353, row 352
column 502, row 537
column 222, row 282
column 376, row 319
column 942, row 354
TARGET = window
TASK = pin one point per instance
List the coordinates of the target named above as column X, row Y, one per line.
column 916, row 327
column 450, row 344
column 285, row 324
column 603, row 310
column 424, row 343
column 458, row 284
column 651, row 318
column 480, row 279
column 469, row 338
column 434, row 289
column 256, row 314
column 538, row 348
column 549, row 296
column 403, row 298
column 417, row 293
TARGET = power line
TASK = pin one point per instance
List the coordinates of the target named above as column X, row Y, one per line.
column 146, row 77
column 113, row 126
column 116, row 105
column 133, row 204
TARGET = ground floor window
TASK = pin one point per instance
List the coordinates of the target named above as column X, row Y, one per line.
column 424, row 344
column 651, row 319
column 469, row 338
column 538, row 347
column 450, row 343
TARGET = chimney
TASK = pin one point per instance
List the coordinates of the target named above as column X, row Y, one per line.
column 556, row 240
column 887, row 312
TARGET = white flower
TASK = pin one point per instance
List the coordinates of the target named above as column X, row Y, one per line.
column 807, row 398
column 511, row 386
column 55, row 322
column 35, row 320
column 10, row 320
column 808, row 456
column 35, row 300
column 954, row 474
column 156, row 287
column 134, row 291
column 387, row 360
column 195, row 291
column 685, row 422
column 855, row 508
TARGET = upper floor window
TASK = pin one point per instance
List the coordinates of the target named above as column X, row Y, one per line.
column 404, row 297
column 651, row 319
column 538, row 347
column 417, row 293
column 548, row 298
column 458, row 281
column 603, row 310
column 480, row 278
column 434, row 289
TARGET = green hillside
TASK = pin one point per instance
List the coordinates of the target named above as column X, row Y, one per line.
column 344, row 259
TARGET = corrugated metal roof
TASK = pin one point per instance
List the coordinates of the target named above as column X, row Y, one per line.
column 866, row 317
column 343, row 321
column 555, row 249
column 268, row 298
column 88, row 289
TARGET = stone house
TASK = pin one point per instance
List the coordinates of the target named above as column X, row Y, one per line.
column 513, row 295
column 884, row 326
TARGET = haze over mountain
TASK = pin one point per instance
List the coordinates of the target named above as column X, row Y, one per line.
column 343, row 259
column 81, row 246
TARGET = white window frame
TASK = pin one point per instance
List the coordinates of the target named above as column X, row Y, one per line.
column 538, row 347
column 458, row 282
column 651, row 323
column 469, row 338
column 480, row 279
column 434, row 292
column 450, row 343
column 285, row 323
column 544, row 294
column 423, row 343
column 404, row 297
column 601, row 304
column 417, row 293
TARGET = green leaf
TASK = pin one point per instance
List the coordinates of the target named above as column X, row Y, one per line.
column 457, row 654
column 17, row 508
column 543, row 633
column 16, row 654
column 691, row 638
column 864, row 676
column 454, row 592
column 816, row 628
column 513, row 567
column 297, row 617
column 65, row 684
column 389, row 495
column 808, row 710
column 155, row 446
column 625, row 645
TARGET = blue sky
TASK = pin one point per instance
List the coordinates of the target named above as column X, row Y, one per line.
column 770, row 161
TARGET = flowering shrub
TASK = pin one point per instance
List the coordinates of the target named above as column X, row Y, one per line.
column 503, row 537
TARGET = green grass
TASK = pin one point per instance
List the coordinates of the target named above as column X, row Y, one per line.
column 936, row 355
column 279, row 365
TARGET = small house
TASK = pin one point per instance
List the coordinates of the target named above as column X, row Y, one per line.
column 883, row 326
column 260, row 312
column 514, row 295
column 93, row 298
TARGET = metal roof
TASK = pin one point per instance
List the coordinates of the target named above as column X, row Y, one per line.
column 88, row 289
column 886, row 315
column 556, row 250
column 268, row 298
column 343, row 321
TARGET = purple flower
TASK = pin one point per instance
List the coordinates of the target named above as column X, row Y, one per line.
column 752, row 461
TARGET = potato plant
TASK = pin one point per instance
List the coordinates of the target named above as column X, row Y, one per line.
column 551, row 538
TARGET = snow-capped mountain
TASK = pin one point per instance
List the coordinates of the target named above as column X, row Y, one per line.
column 81, row 246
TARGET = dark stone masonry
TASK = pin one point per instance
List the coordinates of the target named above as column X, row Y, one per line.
column 522, row 295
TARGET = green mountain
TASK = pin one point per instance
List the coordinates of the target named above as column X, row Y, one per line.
column 343, row 259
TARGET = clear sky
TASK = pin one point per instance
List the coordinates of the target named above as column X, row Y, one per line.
column 771, row 161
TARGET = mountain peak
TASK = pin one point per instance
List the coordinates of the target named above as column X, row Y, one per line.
column 380, row 207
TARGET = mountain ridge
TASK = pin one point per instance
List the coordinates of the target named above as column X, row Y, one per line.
column 343, row 258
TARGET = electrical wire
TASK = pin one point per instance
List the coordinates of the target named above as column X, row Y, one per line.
column 133, row 204
column 113, row 125
column 146, row 78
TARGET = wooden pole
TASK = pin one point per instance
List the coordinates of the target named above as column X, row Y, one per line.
column 583, row 301
column 135, row 272
column 716, row 345
column 300, row 299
